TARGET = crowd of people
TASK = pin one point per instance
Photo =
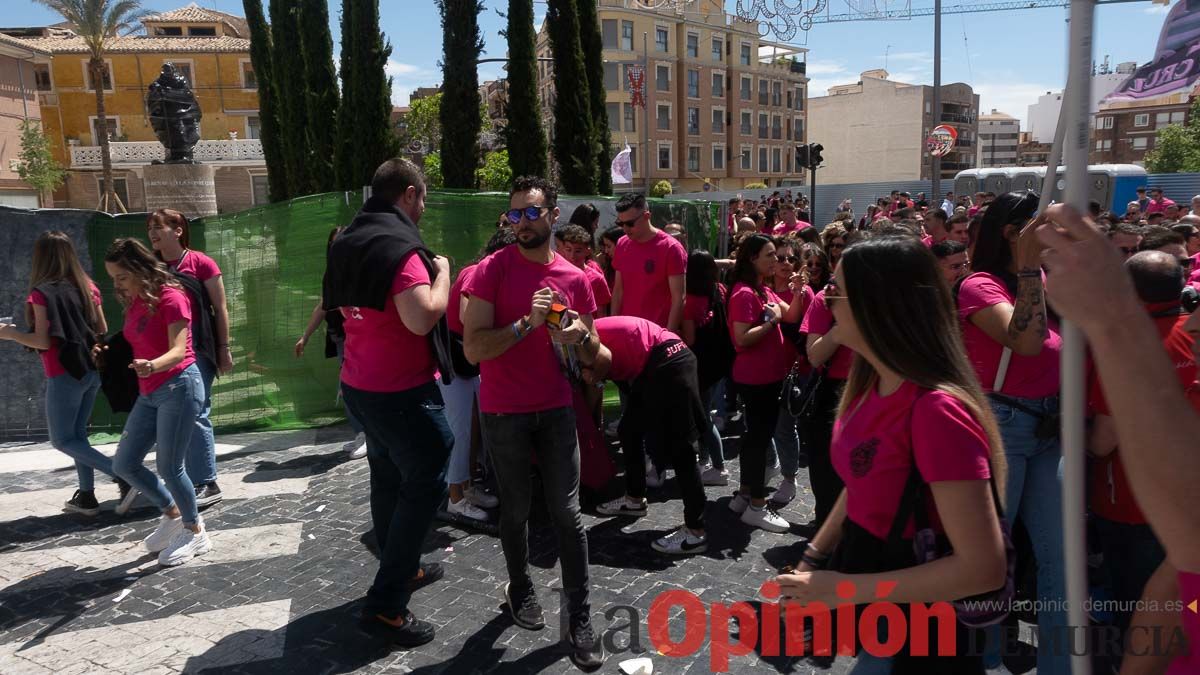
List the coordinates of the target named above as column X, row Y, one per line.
column 909, row 359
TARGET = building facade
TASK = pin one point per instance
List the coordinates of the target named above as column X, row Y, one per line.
column 18, row 102
column 875, row 129
column 1032, row 153
column 1043, row 115
column 724, row 108
column 999, row 136
column 1124, row 131
column 210, row 49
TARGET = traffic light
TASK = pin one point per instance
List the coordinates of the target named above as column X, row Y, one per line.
column 801, row 157
column 814, row 155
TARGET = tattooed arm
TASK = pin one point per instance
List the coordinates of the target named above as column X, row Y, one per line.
column 1021, row 326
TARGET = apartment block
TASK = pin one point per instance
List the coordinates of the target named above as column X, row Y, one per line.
column 999, row 136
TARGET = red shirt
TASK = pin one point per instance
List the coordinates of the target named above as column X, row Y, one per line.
column 768, row 360
column 1109, row 493
column 876, row 442
column 381, row 354
column 1027, row 376
column 50, row 363
column 630, row 340
column 454, row 306
column 645, row 269
column 818, row 320
column 599, row 285
column 147, row 334
column 526, row 378
column 196, row 264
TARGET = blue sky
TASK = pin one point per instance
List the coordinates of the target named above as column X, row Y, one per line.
column 1008, row 57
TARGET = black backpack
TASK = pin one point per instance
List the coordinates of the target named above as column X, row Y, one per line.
column 204, row 316
column 713, row 346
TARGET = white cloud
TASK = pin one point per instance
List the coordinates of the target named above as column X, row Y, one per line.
column 1013, row 98
column 825, row 68
column 406, row 77
column 396, row 69
column 911, row 57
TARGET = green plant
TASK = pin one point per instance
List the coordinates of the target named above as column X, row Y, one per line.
column 38, row 167
column 433, row 170
column 754, row 186
column 495, row 175
column 660, row 189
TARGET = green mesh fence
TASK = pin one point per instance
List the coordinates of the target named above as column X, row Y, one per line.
column 272, row 260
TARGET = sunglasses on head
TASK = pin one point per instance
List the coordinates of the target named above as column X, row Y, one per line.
column 787, row 259
column 531, row 213
column 631, row 222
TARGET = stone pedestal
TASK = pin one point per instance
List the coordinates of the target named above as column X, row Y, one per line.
column 190, row 189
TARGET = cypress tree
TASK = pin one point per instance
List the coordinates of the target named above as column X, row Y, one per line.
column 592, row 42
column 288, row 68
column 321, row 93
column 373, row 142
column 460, row 116
column 524, row 135
column 573, row 135
column 268, row 117
column 346, row 169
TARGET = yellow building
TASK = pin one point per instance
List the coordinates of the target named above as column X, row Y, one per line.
column 210, row 48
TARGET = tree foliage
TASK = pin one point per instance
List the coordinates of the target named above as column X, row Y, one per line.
column 38, row 166
column 287, row 65
column 573, row 147
column 1177, row 147
column 365, row 132
column 495, row 175
column 321, row 93
column 592, row 42
column 425, row 122
column 433, row 171
column 526, row 139
column 269, row 133
column 461, row 46
column 660, row 189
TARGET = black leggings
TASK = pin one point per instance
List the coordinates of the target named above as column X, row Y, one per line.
column 762, row 414
column 816, row 433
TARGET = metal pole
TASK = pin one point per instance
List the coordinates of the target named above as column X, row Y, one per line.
column 1075, row 155
column 812, row 192
column 646, row 103
column 935, row 162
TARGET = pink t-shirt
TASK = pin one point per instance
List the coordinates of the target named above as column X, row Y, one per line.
column 769, row 359
column 645, row 269
column 874, row 446
column 526, row 378
column 818, row 320
column 1195, row 278
column 599, row 286
column 196, row 264
column 1027, row 376
column 381, row 353
column 1159, row 205
column 147, row 334
column 454, row 306
column 1189, row 591
column 783, row 228
column 50, row 363
column 630, row 340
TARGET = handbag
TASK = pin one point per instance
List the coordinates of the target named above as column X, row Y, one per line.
column 799, row 395
column 1048, row 424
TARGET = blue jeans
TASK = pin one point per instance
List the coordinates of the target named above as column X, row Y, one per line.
column 166, row 416
column 786, row 442
column 68, row 409
column 1131, row 555
column 408, row 443
column 202, row 453
column 1034, row 494
column 711, row 446
column 460, row 396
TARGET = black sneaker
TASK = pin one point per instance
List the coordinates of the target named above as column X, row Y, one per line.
column 84, row 503
column 400, row 630
column 525, row 610
column 207, row 495
column 586, row 651
column 429, row 573
column 128, row 495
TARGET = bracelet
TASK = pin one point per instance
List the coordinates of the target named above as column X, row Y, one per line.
column 813, row 562
column 815, row 550
column 517, row 330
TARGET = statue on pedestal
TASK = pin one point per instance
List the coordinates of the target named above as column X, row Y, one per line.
column 174, row 115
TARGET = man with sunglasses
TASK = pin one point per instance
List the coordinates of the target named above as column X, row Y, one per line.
column 1128, row 238
column 651, row 267
column 523, row 303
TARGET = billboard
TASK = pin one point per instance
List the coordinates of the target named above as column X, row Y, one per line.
column 1176, row 64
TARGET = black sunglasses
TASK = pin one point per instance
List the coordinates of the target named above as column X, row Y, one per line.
column 787, row 259
column 631, row 222
column 531, row 213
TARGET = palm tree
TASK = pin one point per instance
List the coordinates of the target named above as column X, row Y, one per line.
column 98, row 22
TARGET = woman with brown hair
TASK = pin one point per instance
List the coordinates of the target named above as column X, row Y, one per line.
column 833, row 240
column 158, row 315
column 63, row 308
column 169, row 234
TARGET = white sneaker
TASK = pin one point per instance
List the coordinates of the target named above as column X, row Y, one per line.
column 185, row 546
column 610, row 429
column 479, row 498
column 714, row 476
column 466, row 509
column 357, row 448
column 681, row 542
column 766, row 519
column 740, row 501
column 784, row 494
column 654, row 479
column 622, row 507
column 163, row 535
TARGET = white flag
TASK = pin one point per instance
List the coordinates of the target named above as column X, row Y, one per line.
column 622, row 170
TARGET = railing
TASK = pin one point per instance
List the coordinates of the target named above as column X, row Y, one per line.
column 956, row 117
column 145, row 152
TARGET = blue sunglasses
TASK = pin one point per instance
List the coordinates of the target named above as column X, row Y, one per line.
column 531, row 213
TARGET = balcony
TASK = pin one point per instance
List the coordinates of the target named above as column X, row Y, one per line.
column 957, row 118
column 140, row 153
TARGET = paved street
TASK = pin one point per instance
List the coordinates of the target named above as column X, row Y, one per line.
column 281, row 590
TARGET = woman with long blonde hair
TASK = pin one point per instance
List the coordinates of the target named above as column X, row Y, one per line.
column 63, row 309
column 157, row 325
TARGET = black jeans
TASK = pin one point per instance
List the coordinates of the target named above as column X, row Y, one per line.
column 408, row 446
column 816, row 433
column 762, row 414
column 549, row 436
column 665, row 406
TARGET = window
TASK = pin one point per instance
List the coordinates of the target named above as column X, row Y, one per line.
column 664, row 157
column 776, row 127
column 799, row 128
column 108, row 83
column 253, row 127
column 610, row 77
column 718, row 121
column 41, row 75
column 169, row 31
column 1106, row 123
column 627, row 35
column 1141, row 120
column 776, row 93
column 632, row 159
column 200, row 31
column 693, row 46
column 693, row 84
column 799, row 98
column 762, row 125
column 614, row 116
column 718, row 157
column 789, row 99
column 718, row 50
column 745, row 93
column 693, row 158
column 763, row 92
column 664, row 117
column 608, row 33
column 258, row 189
column 630, row 118
column 1108, row 144
column 747, row 122
column 762, row 160
column 249, row 79
column 745, row 158
column 693, row 121
column 1140, row 143
column 660, row 40
column 625, row 77
column 745, row 54
column 113, row 123
column 120, row 186
column 777, row 160
column 1177, row 117
column 663, row 78
column 718, row 84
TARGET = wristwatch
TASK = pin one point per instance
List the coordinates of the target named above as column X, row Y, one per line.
column 587, row 339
